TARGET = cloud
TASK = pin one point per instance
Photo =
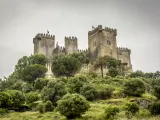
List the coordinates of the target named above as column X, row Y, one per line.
column 137, row 22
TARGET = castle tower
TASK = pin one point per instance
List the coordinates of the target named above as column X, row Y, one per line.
column 124, row 56
column 44, row 44
column 102, row 42
column 71, row 44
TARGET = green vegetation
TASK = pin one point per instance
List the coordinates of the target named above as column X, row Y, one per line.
column 26, row 93
column 72, row 105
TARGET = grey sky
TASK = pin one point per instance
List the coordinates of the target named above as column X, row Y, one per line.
column 137, row 22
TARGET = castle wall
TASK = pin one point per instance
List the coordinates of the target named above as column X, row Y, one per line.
column 124, row 55
column 71, row 45
column 44, row 44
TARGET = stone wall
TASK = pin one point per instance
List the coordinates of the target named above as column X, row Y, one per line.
column 44, row 44
column 71, row 45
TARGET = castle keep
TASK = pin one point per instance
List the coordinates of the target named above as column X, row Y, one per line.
column 101, row 42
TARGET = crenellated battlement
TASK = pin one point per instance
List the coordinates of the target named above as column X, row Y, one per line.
column 86, row 50
column 122, row 49
column 70, row 38
column 43, row 35
column 100, row 28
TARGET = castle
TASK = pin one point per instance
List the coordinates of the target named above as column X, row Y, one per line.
column 101, row 42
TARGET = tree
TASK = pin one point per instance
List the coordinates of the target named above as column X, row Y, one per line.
column 53, row 92
column 22, row 63
column 137, row 73
column 26, row 61
column 75, row 83
column 5, row 100
column 17, row 98
column 89, row 92
column 38, row 59
column 32, row 72
column 40, row 83
column 73, row 105
column 82, row 57
column 113, row 72
column 66, row 66
column 32, row 97
column 101, row 63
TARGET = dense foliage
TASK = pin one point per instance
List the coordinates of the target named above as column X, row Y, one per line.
column 66, row 66
column 111, row 112
column 134, row 87
column 72, row 105
column 27, row 88
column 155, row 108
column 53, row 92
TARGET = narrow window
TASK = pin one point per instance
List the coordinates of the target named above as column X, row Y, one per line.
column 94, row 44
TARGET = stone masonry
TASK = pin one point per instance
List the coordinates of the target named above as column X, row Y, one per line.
column 101, row 42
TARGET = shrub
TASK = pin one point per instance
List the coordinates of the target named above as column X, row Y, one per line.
column 92, row 74
column 53, row 92
column 32, row 97
column 88, row 91
column 17, row 98
column 28, row 88
column 72, row 105
column 5, row 100
column 3, row 111
column 40, row 83
column 113, row 72
column 156, row 88
column 105, row 93
column 111, row 112
column 41, row 107
column 155, row 108
column 49, row 106
column 74, row 84
column 131, row 109
column 134, row 87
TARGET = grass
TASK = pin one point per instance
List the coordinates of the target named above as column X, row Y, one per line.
column 96, row 112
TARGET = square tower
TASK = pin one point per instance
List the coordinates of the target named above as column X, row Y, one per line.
column 102, row 42
column 44, row 44
column 71, row 44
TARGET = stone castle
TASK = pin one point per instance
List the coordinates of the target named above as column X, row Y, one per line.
column 101, row 42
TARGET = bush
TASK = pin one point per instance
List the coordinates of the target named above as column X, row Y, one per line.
column 155, row 108
column 32, row 97
column 3, row 111
column 41, row 108
column 28, row 88
column 49, row 106
column 40, row 83
column 53, row 92
column 75, row 83
column 156, row 88
column 17, row 98
column 89, row 92
column 92, row 74
column 5, row 100
column 111, row 112
column 113, row 72
column 72, row 105
column 131, row 109
column 134, row 87
column 105, row 93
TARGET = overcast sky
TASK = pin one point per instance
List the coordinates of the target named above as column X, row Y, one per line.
column 137, row 22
